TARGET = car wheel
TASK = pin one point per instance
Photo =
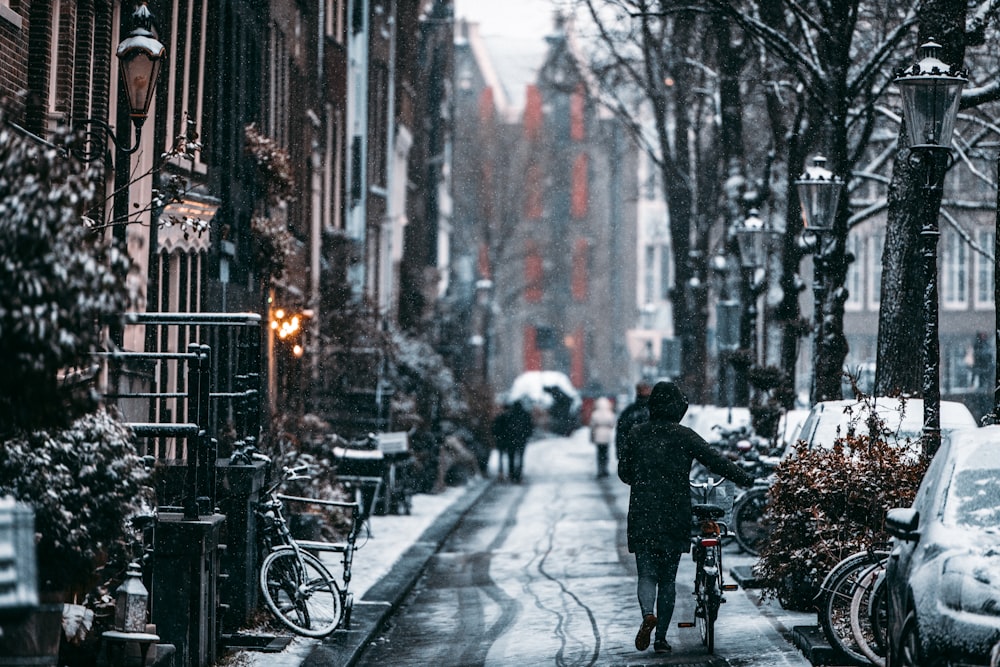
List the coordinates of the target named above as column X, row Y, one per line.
column 908, row 654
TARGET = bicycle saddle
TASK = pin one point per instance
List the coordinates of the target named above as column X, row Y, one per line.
column 704, row 511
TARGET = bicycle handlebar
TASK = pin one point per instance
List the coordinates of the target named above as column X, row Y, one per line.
column 710, row 484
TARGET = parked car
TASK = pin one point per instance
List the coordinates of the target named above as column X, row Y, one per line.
column 704, row 420
column 943, row 572
column 903, row 420
column 789, row 428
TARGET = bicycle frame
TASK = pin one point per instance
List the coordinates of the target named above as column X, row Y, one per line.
column 709, row 583
column 296, row 586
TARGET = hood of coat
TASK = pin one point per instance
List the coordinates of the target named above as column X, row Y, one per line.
column 667, row 402
column 602, row 404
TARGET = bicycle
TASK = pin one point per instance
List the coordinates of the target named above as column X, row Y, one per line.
column 749, row 528
column 377, row 476
column 869, row 614
column 835, row 604
column 715, row 503
column 296, row 586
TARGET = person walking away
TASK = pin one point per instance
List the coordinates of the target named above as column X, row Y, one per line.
column 634, row 413
column 501, row 430
column 602, row 429
column 521, row 427
column 655, row 461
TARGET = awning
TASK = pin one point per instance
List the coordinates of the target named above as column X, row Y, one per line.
column 183, row 225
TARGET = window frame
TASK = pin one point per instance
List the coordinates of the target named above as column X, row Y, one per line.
column 954, row 272
column 855, row 279
column 984, row 271
column 875, row 247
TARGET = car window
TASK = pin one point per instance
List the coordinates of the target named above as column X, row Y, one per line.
column 973, row 498
column 808, row 426
column 933, row 476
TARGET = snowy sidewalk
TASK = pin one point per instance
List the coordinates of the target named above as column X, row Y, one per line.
column 386, row 565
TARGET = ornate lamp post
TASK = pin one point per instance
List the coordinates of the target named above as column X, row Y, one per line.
column 140, row 56
column 755, row 239
column 931, row 91
column 819, row 196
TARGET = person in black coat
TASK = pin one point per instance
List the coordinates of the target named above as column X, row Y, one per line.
column 511, row 430
column 655, row 460
column 635, row 413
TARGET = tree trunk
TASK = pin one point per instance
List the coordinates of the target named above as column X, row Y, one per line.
column 901, row 318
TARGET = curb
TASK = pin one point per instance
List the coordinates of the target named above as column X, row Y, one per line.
column 344, row 647
column 817, row 650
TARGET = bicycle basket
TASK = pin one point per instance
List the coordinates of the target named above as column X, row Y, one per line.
column 723, row 495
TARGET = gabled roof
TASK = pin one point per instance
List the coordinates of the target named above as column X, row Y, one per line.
column 470, row 35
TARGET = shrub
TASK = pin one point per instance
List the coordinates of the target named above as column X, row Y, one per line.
column 826, row 504
column 59, row 283
column 84, row 482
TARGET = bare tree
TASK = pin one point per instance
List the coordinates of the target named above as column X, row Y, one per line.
column 672, row 73
column 901, row 316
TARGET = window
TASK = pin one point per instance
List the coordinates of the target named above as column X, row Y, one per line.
column 959, row 365
column 581, row 259
column 985, row 238
column 185, row 86
column 648, row 275
column 580, row 199
column 954, row 271
column 875, row 247
column 533, row 273
column 335, row 24
column 855, row 275
column 534, row 205
column 576, row 114
column 9, row 14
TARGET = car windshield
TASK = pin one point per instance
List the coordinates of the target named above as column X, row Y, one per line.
column 973, row 498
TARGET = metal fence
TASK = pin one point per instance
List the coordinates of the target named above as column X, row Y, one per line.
column 193, row 394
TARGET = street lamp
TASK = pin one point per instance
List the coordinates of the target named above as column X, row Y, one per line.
column 755, row 239
column 819, row 196
column 140, row 56
column 931, row 91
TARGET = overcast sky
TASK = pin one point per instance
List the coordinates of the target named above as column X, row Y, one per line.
column 514, row 31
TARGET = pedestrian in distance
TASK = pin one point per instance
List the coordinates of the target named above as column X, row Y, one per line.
column 602, row 429
column 511, row 430
column 655, row 460
column 634, row 413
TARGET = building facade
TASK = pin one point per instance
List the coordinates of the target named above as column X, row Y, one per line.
column 553, row 196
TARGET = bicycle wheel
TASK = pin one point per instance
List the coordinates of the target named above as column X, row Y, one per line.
column 748, row 520
column 848, row 563
column 868, row 614
column 709, row 611
column 835, row 613
column 300, row 593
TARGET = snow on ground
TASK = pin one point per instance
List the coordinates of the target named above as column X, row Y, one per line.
column 390, row 537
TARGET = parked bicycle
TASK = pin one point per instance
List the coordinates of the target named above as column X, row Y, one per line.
column 713, row 503
column 869, row 614
column 851, row 606
column 376, row 473
column 749, row 526
column 296, row 586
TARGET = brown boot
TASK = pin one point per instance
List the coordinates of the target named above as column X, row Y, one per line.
column 647, row 627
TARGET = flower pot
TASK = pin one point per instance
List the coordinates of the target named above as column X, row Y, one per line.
column 34, row 640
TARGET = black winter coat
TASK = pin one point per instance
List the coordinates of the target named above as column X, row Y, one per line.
column 656, row 462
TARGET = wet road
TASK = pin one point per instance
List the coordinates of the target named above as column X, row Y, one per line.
column 538, row 574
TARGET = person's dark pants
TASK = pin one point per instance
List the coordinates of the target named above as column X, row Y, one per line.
column 657, row 585
column 515, row 462
column 602, row 459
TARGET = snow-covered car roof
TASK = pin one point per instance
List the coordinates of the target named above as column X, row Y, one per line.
column 701, row 419
column 829, row 420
